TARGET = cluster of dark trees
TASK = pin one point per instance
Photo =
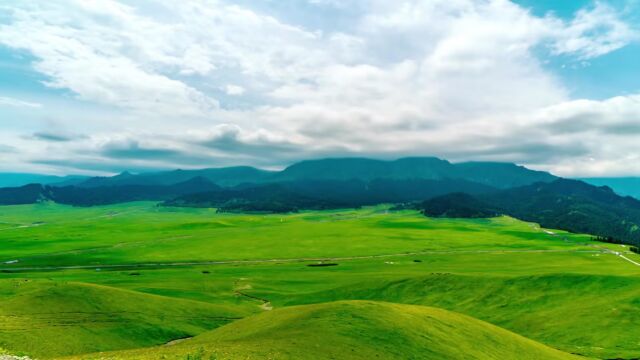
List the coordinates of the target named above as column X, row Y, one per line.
column 323, row 194
column 457, row 205
column 103, row 195
column 608, row 239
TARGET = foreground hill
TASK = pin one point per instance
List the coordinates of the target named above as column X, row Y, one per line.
column 47, row 319
column 572, row 312
column 352, row 330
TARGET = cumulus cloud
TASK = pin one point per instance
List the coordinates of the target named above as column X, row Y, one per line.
column 214, row 82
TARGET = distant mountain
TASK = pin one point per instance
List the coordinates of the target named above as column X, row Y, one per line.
column 78, row 196
column 498, row 175
column 329, row 182
column 457, row 205
column 367, row 169
column 325, row 194
column 562, row 204
column 20, row 179
column 501, row 175
column 629, row 186
column 272, row 198
column 230, row 176
column 575, row 206
column 28, row 194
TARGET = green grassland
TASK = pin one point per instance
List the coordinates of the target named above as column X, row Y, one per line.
column 42, row 317
column 355, row 330
column 137, row 275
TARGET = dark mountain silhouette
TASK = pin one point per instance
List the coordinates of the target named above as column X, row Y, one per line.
column 21, row 179
column 300, row 194
column 457, row 205
column 27, row 194
column 575, row 206
column 498, row 175
column 230, row 176
column 570, row 205
column 78, row 196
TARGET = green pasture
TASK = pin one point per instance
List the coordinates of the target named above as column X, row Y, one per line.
column 150, row 275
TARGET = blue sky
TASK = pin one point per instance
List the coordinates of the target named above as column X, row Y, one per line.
column 105, row 86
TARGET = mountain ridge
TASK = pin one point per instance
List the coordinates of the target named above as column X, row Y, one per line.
column 495, row 174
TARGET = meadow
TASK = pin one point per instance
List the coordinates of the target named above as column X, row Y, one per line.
column 133, row 281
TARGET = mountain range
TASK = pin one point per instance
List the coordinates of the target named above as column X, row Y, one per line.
column 441, row 188
column 339, row 182
column 498, row 175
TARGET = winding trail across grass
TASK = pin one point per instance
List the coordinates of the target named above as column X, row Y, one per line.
column 602, row 249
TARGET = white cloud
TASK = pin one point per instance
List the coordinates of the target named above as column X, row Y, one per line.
column 593, row 33
column 234, row 89
column 9, row 101
column 455, row 78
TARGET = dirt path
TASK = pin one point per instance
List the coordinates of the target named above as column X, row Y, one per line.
column 238, row 290
column 629, row 260
column 602, row 249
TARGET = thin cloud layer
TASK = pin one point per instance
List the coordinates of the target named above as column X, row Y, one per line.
column 213, row 83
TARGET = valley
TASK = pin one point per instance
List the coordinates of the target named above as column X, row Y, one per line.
column 122, row 280
column 319, row 180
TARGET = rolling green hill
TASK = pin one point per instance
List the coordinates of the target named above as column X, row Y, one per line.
column 533, row 306
column 136, row 275
column 46, row 318
column 352, row 330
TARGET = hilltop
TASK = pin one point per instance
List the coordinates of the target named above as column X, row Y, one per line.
column 352, row 330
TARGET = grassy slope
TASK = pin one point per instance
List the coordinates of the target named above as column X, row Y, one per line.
column 353, row 330
column 588, row 298
column 46, row 318
column 586, row 314
column 114, row 235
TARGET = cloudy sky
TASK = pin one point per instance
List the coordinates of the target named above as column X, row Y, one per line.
column 101, row 86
